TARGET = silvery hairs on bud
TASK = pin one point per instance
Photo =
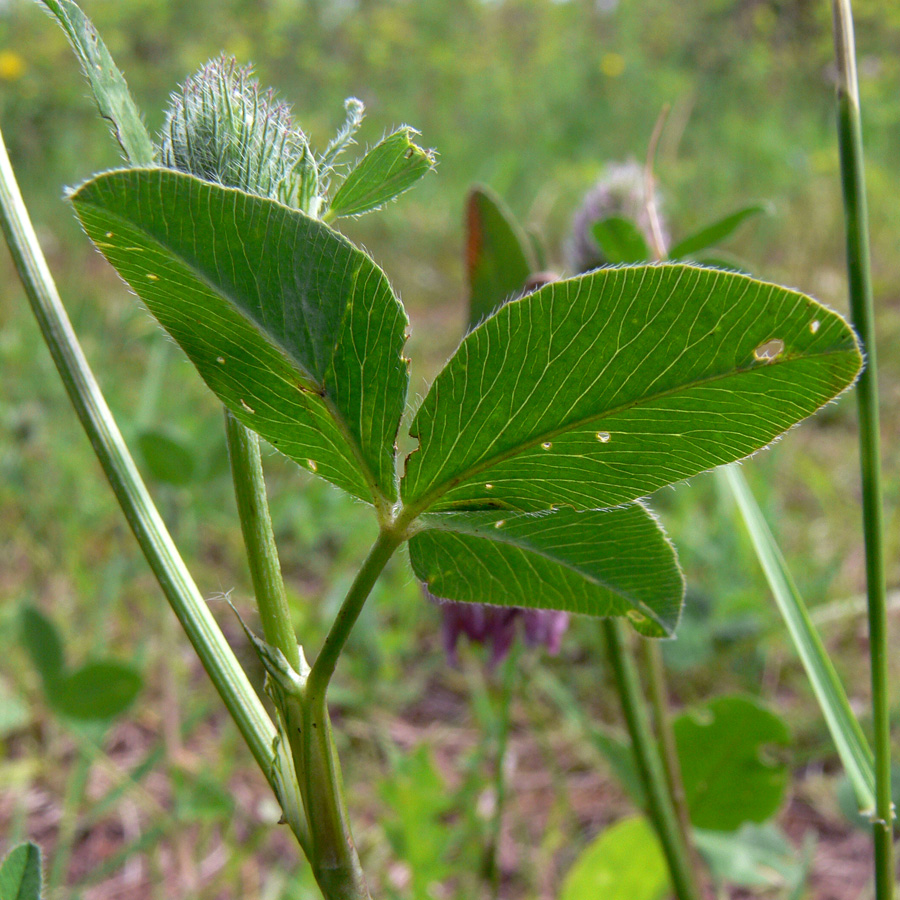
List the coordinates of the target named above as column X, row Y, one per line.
column 220, row 126
column 620, row 191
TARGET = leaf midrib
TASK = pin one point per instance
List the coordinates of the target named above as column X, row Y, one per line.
column 315, row 386
column 425, row 501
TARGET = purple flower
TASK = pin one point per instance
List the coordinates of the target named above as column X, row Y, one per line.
column 497, row 626
column 620, row 191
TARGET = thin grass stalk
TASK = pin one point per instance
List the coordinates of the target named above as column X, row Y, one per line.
column 160, row 551
column 862, row 313
column 649, row 764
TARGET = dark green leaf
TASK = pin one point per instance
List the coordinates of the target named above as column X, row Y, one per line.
column 20, row 873
column 715, row 233
column 497, row 259
column 97, row 692
column 728, row 777
column 624, row 863
column 385, row 172
column 44, row 644
column 602, row 563
column 107, row 82
column 167, row 458
column 595, row 391
column 293, row 328
column 621, row 241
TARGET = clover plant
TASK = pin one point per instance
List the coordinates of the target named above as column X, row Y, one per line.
column 534, row 446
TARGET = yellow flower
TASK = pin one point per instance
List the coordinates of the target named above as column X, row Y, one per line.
column 12, row 65
column 612, row 64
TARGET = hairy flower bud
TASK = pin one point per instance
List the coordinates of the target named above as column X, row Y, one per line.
column 620, row 191
column 223, row 128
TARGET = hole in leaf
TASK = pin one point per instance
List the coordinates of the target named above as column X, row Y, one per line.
column 769, row 350
column 312, row 465
column 814, row 325
column 603, row 437
column 546, row 445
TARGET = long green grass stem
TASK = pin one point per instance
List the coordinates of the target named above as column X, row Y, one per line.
column 649, row 764
column 659, row 702
column 862, row 313
column 259, row 539
column 189, row 606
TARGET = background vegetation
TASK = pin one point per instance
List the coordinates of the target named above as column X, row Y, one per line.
column 531, row 97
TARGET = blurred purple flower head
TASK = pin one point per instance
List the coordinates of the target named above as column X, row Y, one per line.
column 620, row 191
column 497, row 626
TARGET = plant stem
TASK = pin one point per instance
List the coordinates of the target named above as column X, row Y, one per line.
column 656, row 679
column 862, row 312
column 259, row 539
column 323, row 668
column 649, row 764
column 333, row 853
column 160, row 551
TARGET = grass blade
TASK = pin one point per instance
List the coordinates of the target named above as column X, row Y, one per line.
column 845, row 730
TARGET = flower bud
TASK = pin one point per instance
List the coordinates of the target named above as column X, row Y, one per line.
column 221, row 127
column 620, row 191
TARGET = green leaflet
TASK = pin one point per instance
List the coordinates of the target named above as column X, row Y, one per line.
column 497, row 263
column 716, row 232
column 386, row 171
column 107, row 82
column 601, row 563
column 728, row 779
column 293, row 328
column 620, row 241
column 595, row 391
column 20, row 873
column 625, row 862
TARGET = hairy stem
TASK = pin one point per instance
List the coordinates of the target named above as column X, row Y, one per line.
column 256, row 526
column 189, row 606
column 649, row 764
column 862, row 312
